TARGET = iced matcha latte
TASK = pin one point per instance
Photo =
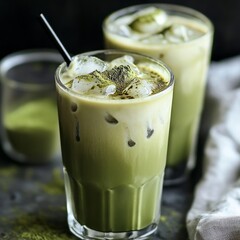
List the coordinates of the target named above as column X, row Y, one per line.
column 182, row 38
column 114, row 113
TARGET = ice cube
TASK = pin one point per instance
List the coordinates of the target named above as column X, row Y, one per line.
column 120, row 26
column 83, row 84
column 126, row 60
column 82, row 65
column 121, row 75
column 177, row 33
column 93, row 83
column 88, row 64
column 109, row 90
column 150, row 20
column 125, row 31
column 154, row 39
column 124, row 20
column 139, row 88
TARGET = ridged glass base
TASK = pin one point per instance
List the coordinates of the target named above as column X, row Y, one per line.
column 86, row 233
column 124, row 212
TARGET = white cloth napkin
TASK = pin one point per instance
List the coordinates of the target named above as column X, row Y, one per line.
column 215, row 211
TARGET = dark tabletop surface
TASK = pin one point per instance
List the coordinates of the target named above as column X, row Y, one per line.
column 32, row 204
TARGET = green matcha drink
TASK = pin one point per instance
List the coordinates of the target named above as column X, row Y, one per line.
column 32, row 128
column 182, row 38
column 114, row 113
column 29, row 119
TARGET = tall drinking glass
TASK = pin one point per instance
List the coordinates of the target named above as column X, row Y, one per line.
column 114, row 143
column 182, row 38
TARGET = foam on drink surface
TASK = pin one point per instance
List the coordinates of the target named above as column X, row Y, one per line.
column 120, row 78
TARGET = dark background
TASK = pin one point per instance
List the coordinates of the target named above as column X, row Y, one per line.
column 78, row 23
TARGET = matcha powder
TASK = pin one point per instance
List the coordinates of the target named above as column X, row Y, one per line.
column 32, row 128
column 37, row 226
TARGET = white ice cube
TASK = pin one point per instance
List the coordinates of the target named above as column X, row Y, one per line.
column 139, row 88
column 86, row 64
column 177, row 33
column 82, row 85
column 149, row 20
column 154, row 39
column 82, row 65
column 110, row 89
column 126, row 60
column 92, row 85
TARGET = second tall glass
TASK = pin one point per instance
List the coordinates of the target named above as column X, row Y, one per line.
column 182, row 38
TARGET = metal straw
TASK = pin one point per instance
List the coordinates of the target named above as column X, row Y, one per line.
column 56, row 40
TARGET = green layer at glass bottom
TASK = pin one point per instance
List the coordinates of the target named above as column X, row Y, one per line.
column 119, row 209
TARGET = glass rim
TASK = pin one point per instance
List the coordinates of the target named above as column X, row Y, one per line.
column 165, row 6
column 116, row 101
column 26, row 56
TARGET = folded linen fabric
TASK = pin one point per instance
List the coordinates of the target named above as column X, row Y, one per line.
column 215, row 211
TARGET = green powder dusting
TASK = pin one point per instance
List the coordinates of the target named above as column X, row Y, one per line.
column 171, row 221
column 163, row 219
column 46, row 224
column 40, row 227
column 7, row 171
column 32, row 128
